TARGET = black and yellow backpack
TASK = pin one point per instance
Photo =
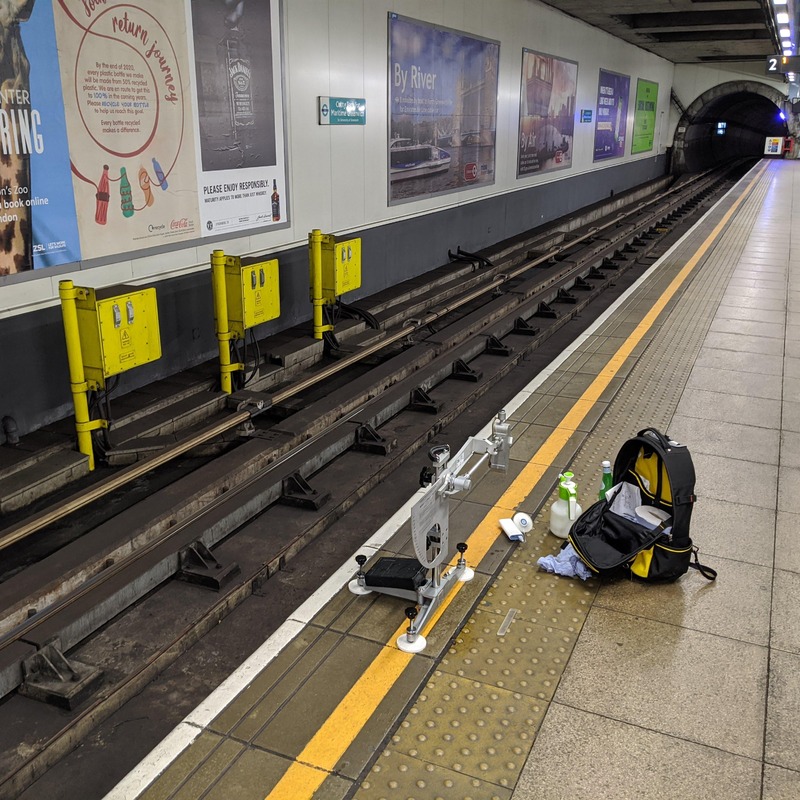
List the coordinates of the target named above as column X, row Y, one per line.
column 611, row 544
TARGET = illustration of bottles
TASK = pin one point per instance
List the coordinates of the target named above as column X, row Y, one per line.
column 125, row 193
column 162, row 179
column 276, row 201
column 144, row 185
column 103, row 196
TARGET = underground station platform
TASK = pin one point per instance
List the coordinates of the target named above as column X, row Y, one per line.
column 520, row 684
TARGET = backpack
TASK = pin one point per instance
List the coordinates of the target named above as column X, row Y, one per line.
column 662, row 473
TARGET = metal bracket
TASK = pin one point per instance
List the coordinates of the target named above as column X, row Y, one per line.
column 565, row 296
column 494, row 347
column 581, row 284
column 50, row 676
column 484, row 262
column 298, row 492
column 464, row 371
column 524, row 327
column 610, row 264
column 594, row 274
column 368, row 440
column 198, row 565
column 422, row 401
column 545, row 310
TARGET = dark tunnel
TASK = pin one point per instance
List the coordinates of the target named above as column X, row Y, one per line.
column 727, row 122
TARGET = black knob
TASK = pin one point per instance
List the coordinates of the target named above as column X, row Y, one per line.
column 426, row 476
column 461, row 547
column 361, row 560
column 411, row 613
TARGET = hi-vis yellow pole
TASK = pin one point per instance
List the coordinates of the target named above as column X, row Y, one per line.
column 77, row 378
column 317, row 301
column 224, row 335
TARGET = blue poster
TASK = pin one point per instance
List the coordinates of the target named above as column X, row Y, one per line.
column 442, row 109
column 37, row 218
column 612, row 115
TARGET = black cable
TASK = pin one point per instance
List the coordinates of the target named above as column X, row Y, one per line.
column 257, row 360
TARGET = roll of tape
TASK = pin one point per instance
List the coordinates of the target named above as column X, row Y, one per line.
column 523, row 521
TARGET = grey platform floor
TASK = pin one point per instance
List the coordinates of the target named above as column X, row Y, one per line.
column 620, row 690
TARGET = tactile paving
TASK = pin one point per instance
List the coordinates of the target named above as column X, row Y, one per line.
column 396, row 776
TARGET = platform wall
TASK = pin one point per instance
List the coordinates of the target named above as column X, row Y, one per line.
column 338, row 182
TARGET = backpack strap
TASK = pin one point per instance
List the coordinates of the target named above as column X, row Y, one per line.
column 706, row 572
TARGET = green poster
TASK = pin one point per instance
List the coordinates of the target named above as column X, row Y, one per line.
column 644, row 116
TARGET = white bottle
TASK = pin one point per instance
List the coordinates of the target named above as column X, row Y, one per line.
column 566, row 509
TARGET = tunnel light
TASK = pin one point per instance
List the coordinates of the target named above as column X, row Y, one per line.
column 782, row 115
column 790, row 77
column 787, row 45
column 787, row 51
column 782, row 17
column 785, row 33
column 779, row 2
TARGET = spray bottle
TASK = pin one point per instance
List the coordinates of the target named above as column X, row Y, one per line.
column 566, row 509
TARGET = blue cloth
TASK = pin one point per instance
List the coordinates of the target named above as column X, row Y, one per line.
column 566, row 563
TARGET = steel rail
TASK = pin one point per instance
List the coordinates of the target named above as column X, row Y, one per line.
column 84, row 498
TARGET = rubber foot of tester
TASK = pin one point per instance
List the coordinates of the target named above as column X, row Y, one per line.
column 467, row 574
column 356, row 588
column 417, row 646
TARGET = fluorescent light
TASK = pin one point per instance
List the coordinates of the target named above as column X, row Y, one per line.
column 782, row 17
column 787, row 45
column 785, row 33
column 787, row 51
column 779, row 2
column 790, row 77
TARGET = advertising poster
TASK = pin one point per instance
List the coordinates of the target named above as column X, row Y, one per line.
column 125, row 75
column 547, row 113
column 240, row 149
column 644, row 116
column 37, row 215
column 612, row 115
column 442, row 109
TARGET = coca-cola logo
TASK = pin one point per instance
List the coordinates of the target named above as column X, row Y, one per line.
column 179, row 223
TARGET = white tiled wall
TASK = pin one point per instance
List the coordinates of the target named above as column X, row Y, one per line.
column 338, row 174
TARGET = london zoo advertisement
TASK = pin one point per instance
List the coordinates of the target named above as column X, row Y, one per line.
column 612, row 115
column 442, row 110
column 644, row 116
column 37, row 215
column 546, row 113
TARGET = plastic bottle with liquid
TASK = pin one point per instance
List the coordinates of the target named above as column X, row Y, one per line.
column 608, row 480
column 566, row 509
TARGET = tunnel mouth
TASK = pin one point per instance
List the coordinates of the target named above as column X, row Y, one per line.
column 728, row 122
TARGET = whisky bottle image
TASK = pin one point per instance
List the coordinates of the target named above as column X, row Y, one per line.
column 276, row 201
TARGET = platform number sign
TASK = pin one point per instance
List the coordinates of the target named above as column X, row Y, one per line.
column 780, row 65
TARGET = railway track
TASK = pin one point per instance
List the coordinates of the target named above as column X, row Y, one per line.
column 311, row 449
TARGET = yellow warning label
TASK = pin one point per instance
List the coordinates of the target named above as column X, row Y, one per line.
column 125, row 338
column 258, row 298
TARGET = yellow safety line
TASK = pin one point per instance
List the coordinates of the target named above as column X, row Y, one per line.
column 320, row 756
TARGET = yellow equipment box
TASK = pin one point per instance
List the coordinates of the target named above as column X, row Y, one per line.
column 341, row 266
column 118, row 328
column 253, row 292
